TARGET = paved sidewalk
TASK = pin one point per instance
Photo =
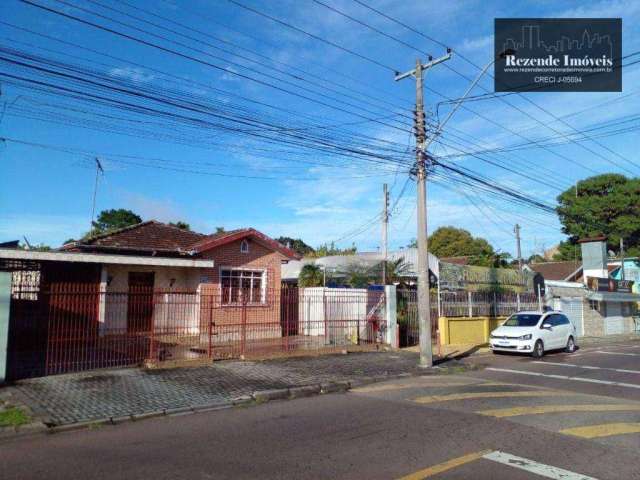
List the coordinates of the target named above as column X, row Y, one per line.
column 96, row 395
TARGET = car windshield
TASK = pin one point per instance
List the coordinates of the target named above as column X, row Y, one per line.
column 522, row 320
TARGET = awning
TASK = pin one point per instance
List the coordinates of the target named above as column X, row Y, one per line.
column 613, row 297
column 31, row 255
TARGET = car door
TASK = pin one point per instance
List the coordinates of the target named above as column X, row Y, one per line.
column 557, row 331
column 567, row 329
column 546, row 334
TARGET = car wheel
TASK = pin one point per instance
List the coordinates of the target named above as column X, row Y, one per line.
column 571, row 345
column 538, row 350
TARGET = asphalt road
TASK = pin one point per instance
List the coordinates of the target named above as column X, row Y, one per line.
column 515, row 419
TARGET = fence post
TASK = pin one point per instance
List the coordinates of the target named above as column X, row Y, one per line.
column 470, row 305
column 539, row 299
column 5, row 306
column 391, row 316
column 518, row 300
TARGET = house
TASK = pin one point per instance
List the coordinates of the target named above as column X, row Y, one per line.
column 594, row 300
column 147, row 291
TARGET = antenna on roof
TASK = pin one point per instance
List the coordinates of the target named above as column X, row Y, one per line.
column 99, row 171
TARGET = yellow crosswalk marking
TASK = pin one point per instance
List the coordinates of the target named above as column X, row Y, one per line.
column 603, row 430
column 474, row 395
column 541, row 409
column 384, row 387
column 443, row 467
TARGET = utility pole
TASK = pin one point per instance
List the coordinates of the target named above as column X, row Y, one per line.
column 622, row 257
column 385, row 225
column 99, row 170
column 516, row 230
column 424, row 307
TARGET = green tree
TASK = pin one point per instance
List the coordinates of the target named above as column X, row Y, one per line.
column 356, row 275
column 310, row 276
column 568, row 251
column 181, row 225
column 220, row 230
column 607, row 204
column 455, row 242
column 328, row 249
column 114, row 219
column 396, row 272
column 297, row 245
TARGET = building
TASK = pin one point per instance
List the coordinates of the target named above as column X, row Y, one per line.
column 150, row 291
column 589, row 293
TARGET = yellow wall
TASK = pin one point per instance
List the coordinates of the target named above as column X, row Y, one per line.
column 467, row 330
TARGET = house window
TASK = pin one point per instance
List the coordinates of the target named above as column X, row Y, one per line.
column 240, row 285
column 244, row 246
column 594, row 305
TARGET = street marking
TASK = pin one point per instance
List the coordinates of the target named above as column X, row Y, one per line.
column 588, row 367
column 602, row 430
column 542, row 409
column 475, row 395
column 536, row 468
column 443, row 467
column 619, row 353
column 564, row 377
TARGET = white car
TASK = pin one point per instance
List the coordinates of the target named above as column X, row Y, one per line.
column 534, row 333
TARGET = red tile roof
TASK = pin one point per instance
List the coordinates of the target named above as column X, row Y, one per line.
column 215, row 240
column 555, row 270
column 153, row 236
column 150, row 236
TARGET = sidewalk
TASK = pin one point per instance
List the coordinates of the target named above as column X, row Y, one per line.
column 118, row 395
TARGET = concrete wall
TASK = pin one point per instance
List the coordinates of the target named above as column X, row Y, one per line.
column 467, row 330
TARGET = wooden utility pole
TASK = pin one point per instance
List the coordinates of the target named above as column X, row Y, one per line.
column 385, row 225
column 424, row 307
column 622, row 257
column 516, row 230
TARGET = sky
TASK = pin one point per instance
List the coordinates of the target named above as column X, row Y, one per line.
column 209, row 178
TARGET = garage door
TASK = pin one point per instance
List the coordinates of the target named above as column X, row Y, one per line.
column 572, row 308
column 614, row 322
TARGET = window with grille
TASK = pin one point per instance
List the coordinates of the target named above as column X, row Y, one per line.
column 242, row 285
column 244, row 246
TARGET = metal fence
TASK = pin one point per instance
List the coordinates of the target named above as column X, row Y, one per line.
column 457, row 304
column 74, row 327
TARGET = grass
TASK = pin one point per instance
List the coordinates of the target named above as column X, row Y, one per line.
column 13, row 417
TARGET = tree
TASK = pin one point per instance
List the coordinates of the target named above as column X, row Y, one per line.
column 297, row 245
column 568, row 251
column 310, row 276
column 114, row 219
column 356, row 275
column 220, row 230
column 181, row 225
column 396, row 272
column 326, row 250
column 607, row 204
column 455, row 242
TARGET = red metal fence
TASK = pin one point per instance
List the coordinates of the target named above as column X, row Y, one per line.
column 74, row 327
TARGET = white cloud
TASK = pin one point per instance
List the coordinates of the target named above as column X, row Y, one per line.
column 135, row 74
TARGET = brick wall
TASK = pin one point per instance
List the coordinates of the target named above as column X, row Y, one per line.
column 263, row 320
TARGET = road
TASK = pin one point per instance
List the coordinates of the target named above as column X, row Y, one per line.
column 514, row 419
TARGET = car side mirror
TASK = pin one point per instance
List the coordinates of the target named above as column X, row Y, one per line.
column 546, row 326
